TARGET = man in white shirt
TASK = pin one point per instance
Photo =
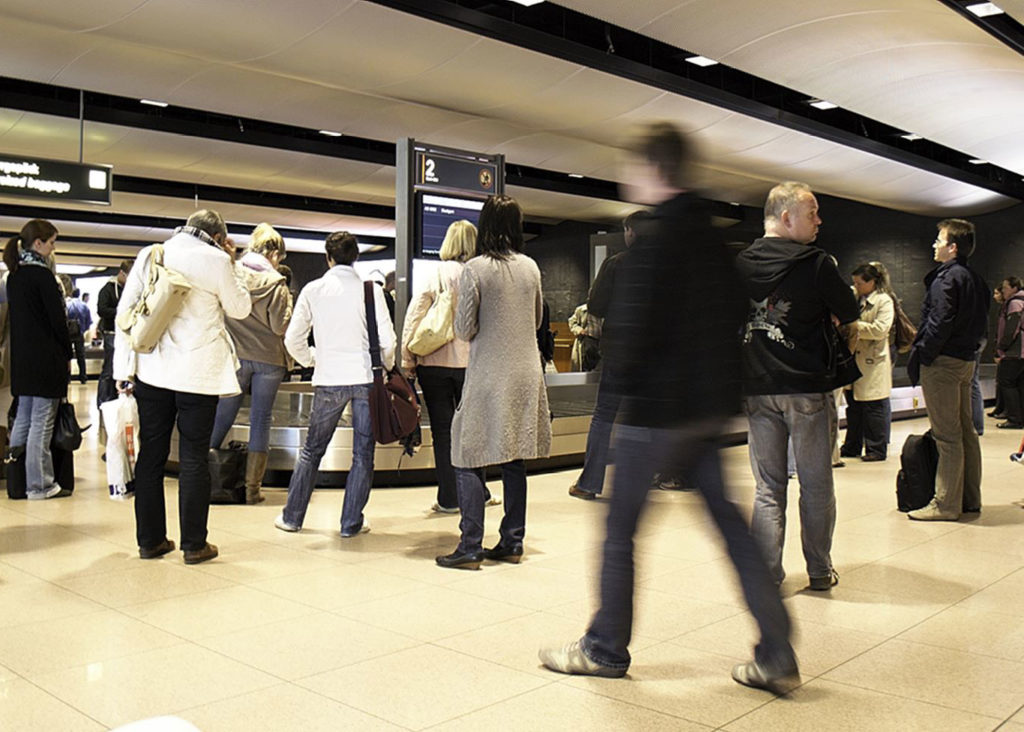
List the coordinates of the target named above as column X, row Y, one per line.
column 334, row 308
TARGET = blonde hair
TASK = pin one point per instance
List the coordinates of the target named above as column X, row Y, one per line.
column 783, row 197
column 459, row 241
column 265, row 240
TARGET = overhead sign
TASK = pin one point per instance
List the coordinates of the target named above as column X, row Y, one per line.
column 440, row 171
column 54, row 180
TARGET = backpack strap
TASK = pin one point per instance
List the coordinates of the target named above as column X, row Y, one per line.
column 371, row 327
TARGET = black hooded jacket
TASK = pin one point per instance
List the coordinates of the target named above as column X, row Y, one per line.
column 793, row 290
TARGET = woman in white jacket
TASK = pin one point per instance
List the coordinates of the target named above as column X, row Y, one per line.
column 179, row 382
column 868, row 409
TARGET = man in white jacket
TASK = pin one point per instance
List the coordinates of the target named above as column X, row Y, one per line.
column 180, row 381
column 333, row 307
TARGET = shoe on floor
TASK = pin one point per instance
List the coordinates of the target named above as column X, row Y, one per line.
column 931, row 512
column 493, row 501
column 364, row 529
column 164, row 547
column 1017, row 457
column 823, row 584
column 576, row 492
column 460, row 560
column 205, row 554
column 438, row 508
column 997, row 415
column 873, row 458
column 836, row 464
column 499, row 553
column 570, row 659
column 753, row 675
column 1010, row 426
column 52, row 492
column 280, row 523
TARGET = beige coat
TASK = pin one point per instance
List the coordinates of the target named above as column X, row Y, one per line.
column 455, row 353
column 503, row 414
column 873, row 358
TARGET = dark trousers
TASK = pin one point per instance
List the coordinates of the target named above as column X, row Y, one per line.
column 159, row 411
column 639, row 452
column 598, row 454
column 78, row 346
column 106, row 390
column 442, row 391
column 868, row 425
column 473, row 496
column 1009, row 381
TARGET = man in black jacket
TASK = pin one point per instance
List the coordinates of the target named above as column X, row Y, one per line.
column 675, row 315
column 791, row 365
column 954, row 318
column 106, row 308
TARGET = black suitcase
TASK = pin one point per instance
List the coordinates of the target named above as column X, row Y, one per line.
column 227, row 473
column 63, row 471
column 915, row 483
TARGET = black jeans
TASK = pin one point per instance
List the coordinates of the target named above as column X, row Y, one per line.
column 1009, row 380
column 868, row 425
column 159, row 411
column 442, row 391
column 106, row 390
column 78, row 346
column 473, row 495
column 639, row 452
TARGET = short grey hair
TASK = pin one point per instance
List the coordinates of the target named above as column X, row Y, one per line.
column 783, row 197
column 209, row 221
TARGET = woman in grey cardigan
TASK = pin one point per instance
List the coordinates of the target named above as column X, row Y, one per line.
column 503, row 418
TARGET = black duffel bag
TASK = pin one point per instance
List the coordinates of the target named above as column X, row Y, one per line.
column 227, row 473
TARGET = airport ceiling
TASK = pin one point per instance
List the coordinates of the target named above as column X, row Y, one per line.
column 499, row 78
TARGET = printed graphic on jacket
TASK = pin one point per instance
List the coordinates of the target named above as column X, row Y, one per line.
column 768, row 315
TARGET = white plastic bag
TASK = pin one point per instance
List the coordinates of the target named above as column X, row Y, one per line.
column 121, row 419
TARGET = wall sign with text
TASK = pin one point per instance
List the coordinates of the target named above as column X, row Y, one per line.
column 439, row 171
column 54, row 180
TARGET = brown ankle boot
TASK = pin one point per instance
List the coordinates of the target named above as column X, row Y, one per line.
column 255, row 467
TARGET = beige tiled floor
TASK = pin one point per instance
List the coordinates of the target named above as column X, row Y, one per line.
column 307, row 631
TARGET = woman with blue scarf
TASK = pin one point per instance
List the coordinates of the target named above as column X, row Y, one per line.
column 40, row 351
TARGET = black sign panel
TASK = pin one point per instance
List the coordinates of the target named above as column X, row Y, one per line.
column 443, row 172
column 54, row 180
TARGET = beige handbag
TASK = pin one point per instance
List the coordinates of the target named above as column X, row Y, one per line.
column 147, row 320
column 437, row 327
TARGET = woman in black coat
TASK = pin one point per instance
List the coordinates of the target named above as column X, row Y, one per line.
column 40, row 351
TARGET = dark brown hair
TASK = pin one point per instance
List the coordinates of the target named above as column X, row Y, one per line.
column 961, row 233
column 34, row 229
column 342, row 247
column 500, row 228
column 664, row 146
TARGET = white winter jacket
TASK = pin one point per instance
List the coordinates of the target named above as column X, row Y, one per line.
column 195, row 355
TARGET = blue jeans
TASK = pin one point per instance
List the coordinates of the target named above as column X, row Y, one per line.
column 977, row 401
column 640, row 452
column 328, row 404
column 867, row 426
column 262, row 381
column 598, row 454
column 773, row 419
column 33, row 430
column 473, row 494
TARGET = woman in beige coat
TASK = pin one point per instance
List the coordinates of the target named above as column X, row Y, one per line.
column 503, row 418
column 868, row 409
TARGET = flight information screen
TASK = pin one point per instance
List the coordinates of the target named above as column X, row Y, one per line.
column 437, row 213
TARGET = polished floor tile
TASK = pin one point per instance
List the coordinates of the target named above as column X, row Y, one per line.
column 310, row 631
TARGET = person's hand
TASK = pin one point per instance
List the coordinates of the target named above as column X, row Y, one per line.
column 410, row 372
column 125, row 387
column 228, row 246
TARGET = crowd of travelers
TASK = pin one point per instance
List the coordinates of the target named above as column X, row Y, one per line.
column 782, row 336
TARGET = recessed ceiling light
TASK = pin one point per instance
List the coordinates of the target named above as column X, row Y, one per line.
column 977, row 161
column 701, row 61
column 821, row 104
column 153, row 102
column 983, row 10
column 575, row 175
column 330, row 133
column 528, row 2
column 911, row 136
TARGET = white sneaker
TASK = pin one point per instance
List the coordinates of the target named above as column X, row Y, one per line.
column 43, row 495
column 494, row 501
column 438, row 508
column 280, row 523
column 364, row 529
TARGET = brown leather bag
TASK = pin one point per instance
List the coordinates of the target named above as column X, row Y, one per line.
column 394, row 410
column 903, row 330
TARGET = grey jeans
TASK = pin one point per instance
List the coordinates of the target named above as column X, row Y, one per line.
column 807, row 419
column 946, row 384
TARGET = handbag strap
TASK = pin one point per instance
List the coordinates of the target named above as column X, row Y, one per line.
column 371, row 327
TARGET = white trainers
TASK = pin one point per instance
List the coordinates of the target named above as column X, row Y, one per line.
column 438, row 508
column 43, row 495
column 364, row 529
column 280, row 523
column 494, row 501
column 570, row 659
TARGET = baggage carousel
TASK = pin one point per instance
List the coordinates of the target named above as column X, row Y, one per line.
column 571, row 398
